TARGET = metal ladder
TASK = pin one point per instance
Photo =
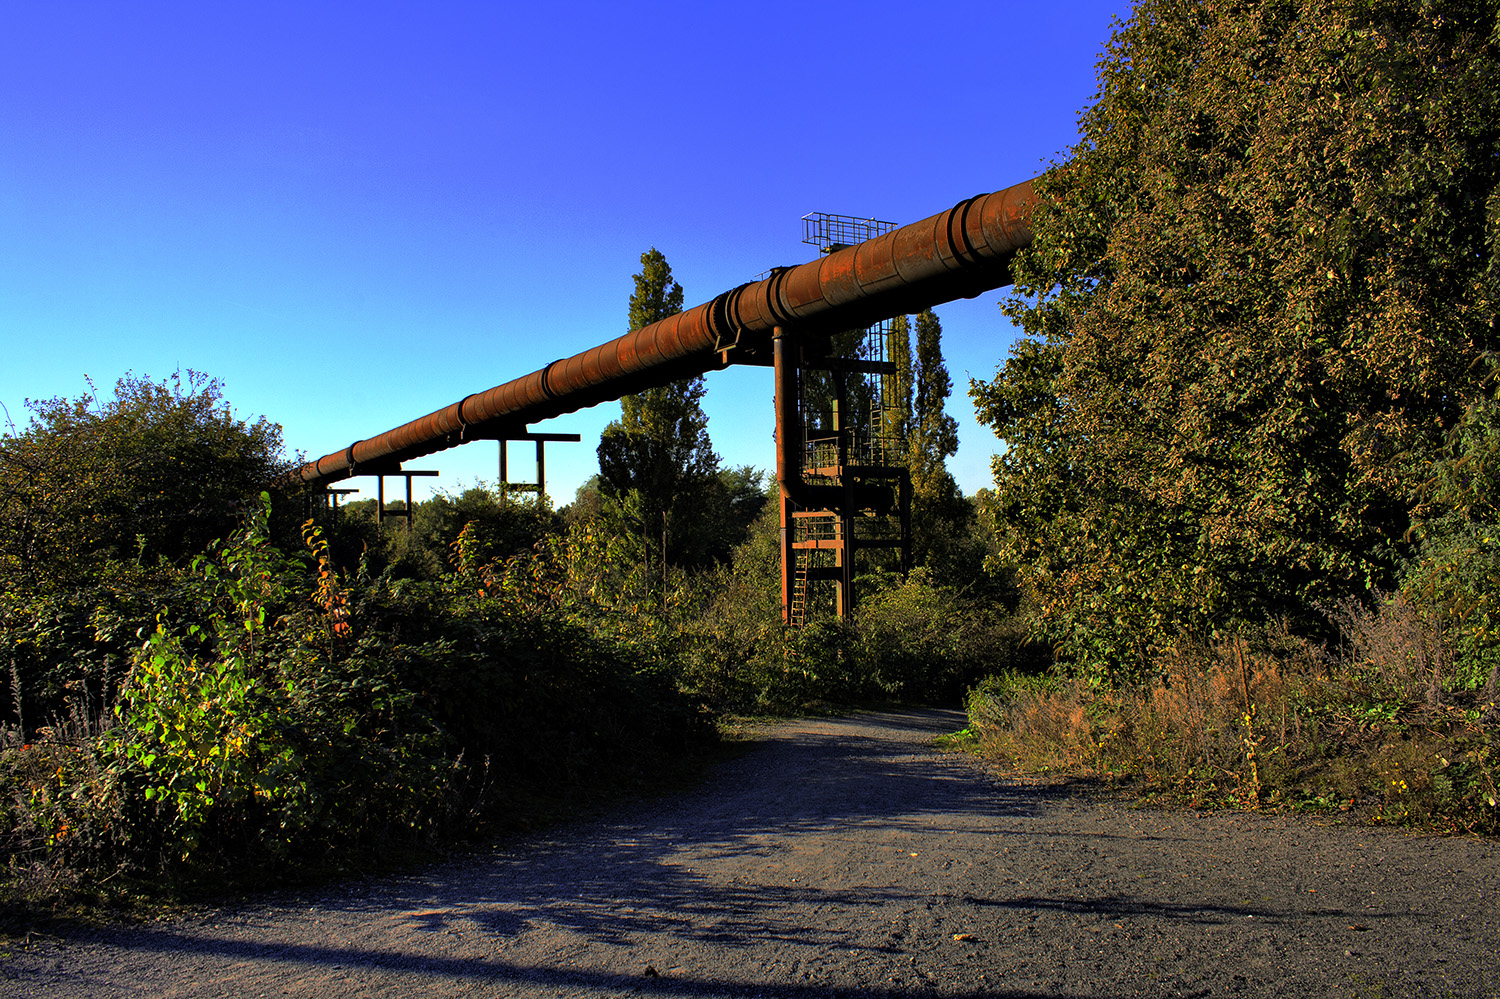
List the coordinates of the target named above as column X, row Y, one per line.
column 798, row 613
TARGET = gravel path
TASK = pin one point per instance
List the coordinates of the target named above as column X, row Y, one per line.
column 846, row 857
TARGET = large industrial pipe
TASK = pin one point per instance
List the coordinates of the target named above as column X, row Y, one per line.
column 955, row 254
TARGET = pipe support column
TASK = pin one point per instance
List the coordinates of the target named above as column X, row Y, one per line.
column 788, row 457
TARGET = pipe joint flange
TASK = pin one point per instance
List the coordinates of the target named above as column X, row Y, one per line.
column 721, row 319
column 547, row 378
column 463, row 424
column 781, row 313
column 958, row 230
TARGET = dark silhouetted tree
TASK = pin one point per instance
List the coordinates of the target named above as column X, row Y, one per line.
column 158, row 470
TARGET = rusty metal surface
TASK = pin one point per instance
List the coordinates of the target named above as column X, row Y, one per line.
column 788, row 466
column 954, row 254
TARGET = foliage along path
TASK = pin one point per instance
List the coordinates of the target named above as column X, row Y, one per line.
column 846, row 857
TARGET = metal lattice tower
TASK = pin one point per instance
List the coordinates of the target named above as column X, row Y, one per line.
column 848, row 405
column 871, row 424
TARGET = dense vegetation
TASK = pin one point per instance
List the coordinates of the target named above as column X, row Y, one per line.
column 204, row 682
column 255, row 704
column 1243, row 546
column 1254, row 409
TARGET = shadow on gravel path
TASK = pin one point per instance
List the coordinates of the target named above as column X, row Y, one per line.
column 845, row 856
column 507, row 976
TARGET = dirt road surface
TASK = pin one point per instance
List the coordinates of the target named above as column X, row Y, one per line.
column 843, row 858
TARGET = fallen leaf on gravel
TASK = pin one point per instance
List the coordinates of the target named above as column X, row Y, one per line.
column 1361, row 927
column 965, row 937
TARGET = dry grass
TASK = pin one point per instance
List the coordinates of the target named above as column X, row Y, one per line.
column 1372, row 728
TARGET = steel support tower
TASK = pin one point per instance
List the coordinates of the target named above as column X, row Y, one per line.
column 837, row 430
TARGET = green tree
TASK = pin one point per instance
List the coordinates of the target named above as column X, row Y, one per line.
column 941, row 518
column 499, row 529
column 737, row 498
column 933, row 435
column 898, row 386
column 1256, row 301
column 656, row 463
column 103, row 501
column 159, row 470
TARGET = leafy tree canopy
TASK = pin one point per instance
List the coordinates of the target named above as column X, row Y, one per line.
column 159, row 470
column 1260, row 294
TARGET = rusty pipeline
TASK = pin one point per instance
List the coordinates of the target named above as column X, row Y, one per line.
column 959, row 253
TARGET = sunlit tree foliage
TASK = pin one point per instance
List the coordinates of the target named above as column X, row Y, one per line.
column 1262, row 291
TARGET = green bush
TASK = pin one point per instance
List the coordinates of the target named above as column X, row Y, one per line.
column 927, row 642
column 102, row 503
column 284, row 715
column 1457, row 571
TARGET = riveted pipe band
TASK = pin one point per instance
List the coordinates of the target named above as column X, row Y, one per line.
column 547, row 377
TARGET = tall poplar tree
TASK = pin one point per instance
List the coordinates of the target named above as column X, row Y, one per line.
column 898, row 386
column 919, row 418
column 933, row 434
column 656, row 463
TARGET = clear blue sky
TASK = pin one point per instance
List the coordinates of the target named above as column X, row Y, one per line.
column 356, row 213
